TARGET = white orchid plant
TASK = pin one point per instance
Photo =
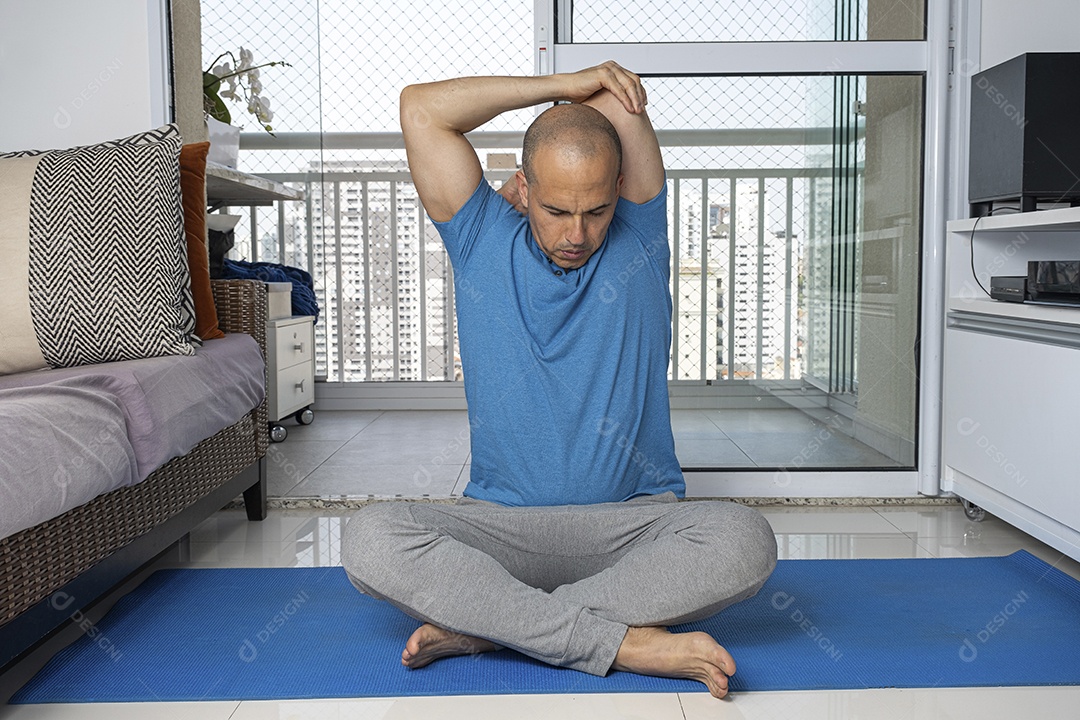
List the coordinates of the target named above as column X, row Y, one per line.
column 240, row 78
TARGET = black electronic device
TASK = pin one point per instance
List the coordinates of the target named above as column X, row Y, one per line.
column 1054, row 281
column 1024, row 142
column 1010, row 288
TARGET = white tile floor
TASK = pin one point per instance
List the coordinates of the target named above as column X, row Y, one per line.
column 312, row 538
column 426, row 452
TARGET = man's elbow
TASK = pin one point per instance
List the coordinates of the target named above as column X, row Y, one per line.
column 417, row 108
column 407, row 103
column 408, row 95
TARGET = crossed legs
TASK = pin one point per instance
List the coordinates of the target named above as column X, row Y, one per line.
column 589, row 587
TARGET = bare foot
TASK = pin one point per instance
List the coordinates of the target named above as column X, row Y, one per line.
column 693, row 655
column 431, row 642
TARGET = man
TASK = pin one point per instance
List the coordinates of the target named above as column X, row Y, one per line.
column 569, row 545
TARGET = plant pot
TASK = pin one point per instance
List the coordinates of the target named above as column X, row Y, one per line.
column 224, row 142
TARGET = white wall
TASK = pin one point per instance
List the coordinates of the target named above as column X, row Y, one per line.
column 1013, row 27
column 74, row 72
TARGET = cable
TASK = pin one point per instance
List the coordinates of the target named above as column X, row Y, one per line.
column 971, row 242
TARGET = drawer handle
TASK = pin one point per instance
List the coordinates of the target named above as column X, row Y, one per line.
column 298, row 347
column 300, row 386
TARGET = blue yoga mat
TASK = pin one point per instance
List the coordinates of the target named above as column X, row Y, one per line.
column 284, row 633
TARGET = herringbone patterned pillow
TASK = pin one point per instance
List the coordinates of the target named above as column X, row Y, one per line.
column 93, row 263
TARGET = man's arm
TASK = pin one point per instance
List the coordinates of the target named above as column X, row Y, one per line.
column 435, row 117
column 642, row 164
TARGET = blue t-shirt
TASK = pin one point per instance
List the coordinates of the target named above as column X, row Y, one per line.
column 565, row 370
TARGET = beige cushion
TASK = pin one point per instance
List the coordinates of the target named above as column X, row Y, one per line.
column 94, row 257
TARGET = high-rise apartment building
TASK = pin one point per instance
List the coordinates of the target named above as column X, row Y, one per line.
column 394, row 277
column 748, row 332
column 735, row 318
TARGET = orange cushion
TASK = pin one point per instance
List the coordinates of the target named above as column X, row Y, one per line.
column 193, row 190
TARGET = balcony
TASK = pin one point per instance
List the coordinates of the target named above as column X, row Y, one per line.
column 754, row 305
column 344, row 456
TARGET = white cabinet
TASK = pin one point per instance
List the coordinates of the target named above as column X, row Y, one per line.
column 290, row 372
column 1011, row 382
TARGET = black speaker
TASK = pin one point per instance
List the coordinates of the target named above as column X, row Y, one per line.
column 1025, row 132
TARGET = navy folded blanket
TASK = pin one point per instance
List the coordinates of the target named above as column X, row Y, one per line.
column 304, row 301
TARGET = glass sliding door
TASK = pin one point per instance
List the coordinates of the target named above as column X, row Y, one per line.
column 794, row 217
column 794, row 152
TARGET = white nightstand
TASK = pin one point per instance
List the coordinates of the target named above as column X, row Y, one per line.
column 290, row 372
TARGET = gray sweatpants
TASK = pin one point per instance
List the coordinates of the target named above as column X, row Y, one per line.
column 560, row 584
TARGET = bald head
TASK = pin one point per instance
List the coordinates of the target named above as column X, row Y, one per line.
column 575, row 131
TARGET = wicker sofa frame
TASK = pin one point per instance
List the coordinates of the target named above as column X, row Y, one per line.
column 55, row 572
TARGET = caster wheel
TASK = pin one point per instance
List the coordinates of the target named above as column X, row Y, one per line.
column 305, row 416
column 973, row 511
column 278, row 433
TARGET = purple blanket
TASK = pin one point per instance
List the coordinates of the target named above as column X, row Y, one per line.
column 69, row 435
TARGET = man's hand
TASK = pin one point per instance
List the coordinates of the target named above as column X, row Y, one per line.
column 624, row 85
column 435, row 117
column 510, row 191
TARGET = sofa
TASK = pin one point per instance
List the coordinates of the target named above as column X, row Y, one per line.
column 122, row 427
